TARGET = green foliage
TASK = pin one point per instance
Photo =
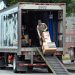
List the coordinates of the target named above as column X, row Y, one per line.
column 10, row 2
column 52, row 1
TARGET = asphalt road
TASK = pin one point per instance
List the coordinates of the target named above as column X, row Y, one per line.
column 10, row 72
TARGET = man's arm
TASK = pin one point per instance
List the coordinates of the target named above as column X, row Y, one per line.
column 38, row 32
column 45, row 28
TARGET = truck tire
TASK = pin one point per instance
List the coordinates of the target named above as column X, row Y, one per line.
column 14, row 64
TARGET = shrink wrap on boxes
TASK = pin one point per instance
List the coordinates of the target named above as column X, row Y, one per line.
column 46, row 36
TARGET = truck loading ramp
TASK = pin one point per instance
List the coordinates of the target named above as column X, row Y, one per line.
column 54, row 64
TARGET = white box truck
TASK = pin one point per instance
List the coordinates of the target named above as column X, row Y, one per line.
column 20, row 21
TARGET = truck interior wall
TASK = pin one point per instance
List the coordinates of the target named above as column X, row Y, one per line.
column 30, row 19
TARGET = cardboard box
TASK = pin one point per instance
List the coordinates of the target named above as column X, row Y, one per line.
column 48, row 46
column 51, row 48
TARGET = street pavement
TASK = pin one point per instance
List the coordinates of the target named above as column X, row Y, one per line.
column 10, row 72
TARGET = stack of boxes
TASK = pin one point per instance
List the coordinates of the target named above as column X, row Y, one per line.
column 48, row 46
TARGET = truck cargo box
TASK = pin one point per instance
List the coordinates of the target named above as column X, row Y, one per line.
column 12, row 18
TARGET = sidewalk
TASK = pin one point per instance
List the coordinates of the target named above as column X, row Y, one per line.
column 69, row 65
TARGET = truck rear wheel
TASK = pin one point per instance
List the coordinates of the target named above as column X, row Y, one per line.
column 14, row 64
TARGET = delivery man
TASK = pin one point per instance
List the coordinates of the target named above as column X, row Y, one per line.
column 41, row 27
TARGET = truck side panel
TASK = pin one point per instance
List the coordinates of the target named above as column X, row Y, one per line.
column 9, row 29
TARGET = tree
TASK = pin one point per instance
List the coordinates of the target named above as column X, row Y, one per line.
column 10, row 2
column 51, row 1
